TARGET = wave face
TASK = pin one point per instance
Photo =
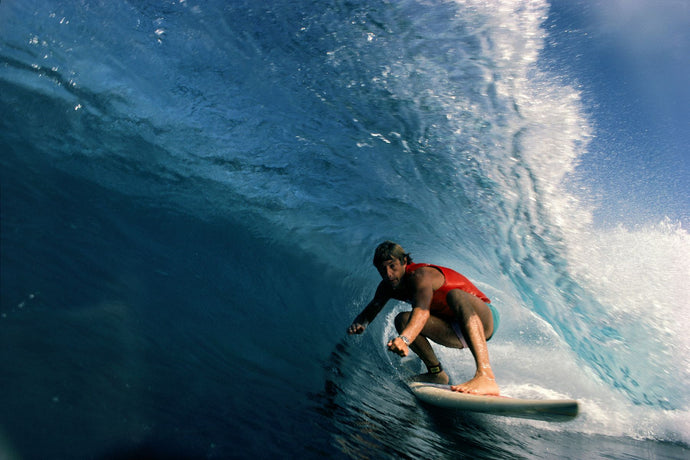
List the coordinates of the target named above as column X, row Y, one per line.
column 191, row 194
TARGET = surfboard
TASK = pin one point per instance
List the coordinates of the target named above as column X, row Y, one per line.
column 539, row 409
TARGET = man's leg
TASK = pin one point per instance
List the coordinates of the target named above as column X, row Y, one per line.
column 440, row 332
column 476, row 323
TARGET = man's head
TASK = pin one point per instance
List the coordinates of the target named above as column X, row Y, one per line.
column 390, row 260
column 389, row 250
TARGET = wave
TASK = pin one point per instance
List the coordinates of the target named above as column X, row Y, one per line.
column 321, row 129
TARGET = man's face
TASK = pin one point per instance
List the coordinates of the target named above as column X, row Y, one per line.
column 392, row 270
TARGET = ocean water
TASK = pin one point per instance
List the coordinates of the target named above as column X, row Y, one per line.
column 191, row 193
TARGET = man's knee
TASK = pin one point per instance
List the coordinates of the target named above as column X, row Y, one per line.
column 461, row 302
column 401, row 320
column 465, row 305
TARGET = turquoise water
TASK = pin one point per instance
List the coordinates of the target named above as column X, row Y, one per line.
column 191, row 194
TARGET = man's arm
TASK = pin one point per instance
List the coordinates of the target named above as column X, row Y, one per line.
column 421, row 302
column 370, row 311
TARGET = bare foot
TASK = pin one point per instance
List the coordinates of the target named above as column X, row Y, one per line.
column 440, row 377
column 479, row 385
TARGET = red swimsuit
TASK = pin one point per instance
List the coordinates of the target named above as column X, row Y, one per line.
column 454, row 280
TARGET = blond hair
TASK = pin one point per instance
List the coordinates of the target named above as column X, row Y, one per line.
column 390, row 250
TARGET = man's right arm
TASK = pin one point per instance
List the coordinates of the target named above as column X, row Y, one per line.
column 370, row 311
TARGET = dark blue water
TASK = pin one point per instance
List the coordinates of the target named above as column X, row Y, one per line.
column 190, row 197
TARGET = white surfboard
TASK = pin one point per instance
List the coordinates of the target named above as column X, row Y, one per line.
column 539, row 409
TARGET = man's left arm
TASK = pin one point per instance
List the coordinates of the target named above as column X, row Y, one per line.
column 421, row 302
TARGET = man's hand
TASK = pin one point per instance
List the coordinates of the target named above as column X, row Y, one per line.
column 398, row 347
column 356, row 328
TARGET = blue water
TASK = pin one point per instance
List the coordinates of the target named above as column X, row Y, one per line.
column 191, row 194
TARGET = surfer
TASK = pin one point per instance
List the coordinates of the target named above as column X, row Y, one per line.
column 446, row 308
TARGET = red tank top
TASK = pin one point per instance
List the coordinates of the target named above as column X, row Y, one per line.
column 454, row 280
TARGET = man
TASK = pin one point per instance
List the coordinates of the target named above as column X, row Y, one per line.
column 446, row 308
